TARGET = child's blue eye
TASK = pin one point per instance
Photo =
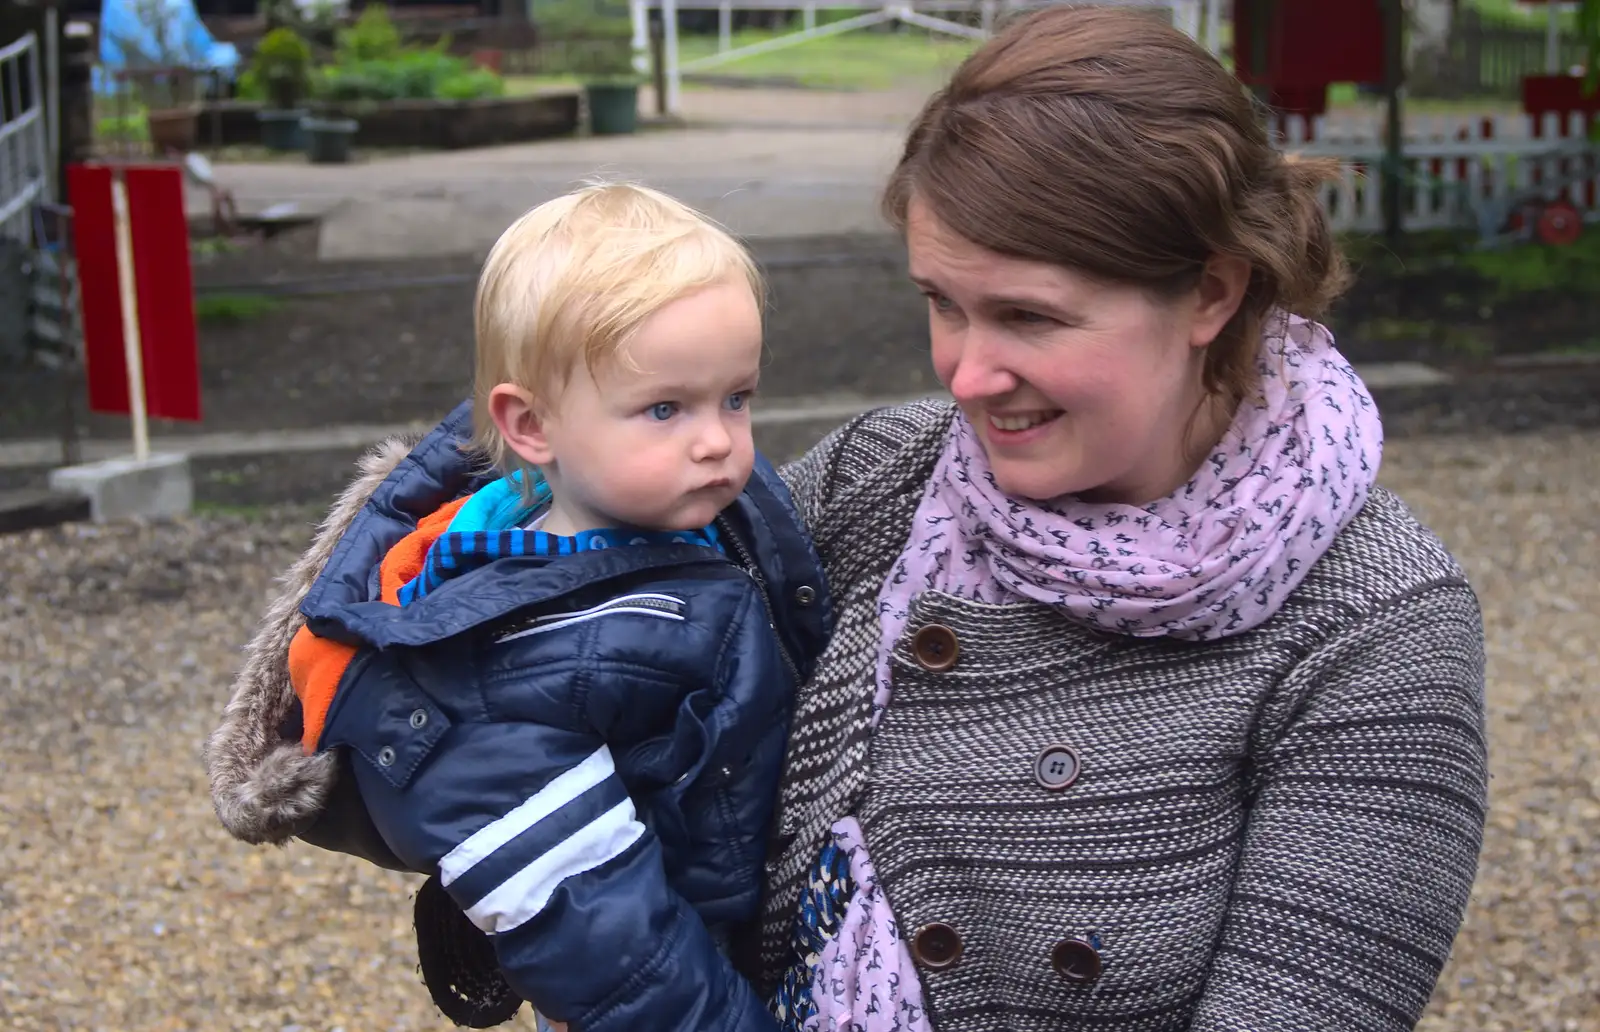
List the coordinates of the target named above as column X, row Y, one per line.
column 737, row 402
column 663, row 410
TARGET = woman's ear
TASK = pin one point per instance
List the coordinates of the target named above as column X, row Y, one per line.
column 522, row 423
column 1218, row 297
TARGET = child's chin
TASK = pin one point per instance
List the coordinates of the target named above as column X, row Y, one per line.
column 699, row 518
column 694, row 517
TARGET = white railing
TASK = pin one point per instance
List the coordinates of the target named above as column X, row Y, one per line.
column 24, row 142
column 1455, row 169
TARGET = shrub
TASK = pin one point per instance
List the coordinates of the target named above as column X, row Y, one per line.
column 373, row 37
column 409, row 75
column 280, row 69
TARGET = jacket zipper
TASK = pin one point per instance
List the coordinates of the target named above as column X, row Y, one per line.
column 748, row 565
column 666, row 605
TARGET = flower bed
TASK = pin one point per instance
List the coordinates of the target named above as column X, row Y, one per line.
column 425, row 124
column 398, row 95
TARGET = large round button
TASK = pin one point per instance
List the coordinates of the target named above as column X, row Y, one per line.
column 1076, row 961
column 936, row 946
column 805, row 594
column 1057, row 767
column 935, row 647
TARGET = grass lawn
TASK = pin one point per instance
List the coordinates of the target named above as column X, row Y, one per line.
column 859, row 60
column 1344, row 96
column 527, row 85
column 872, row 60
column 1512, row 12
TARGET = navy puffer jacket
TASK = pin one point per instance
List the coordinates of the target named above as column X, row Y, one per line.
column 585, row 749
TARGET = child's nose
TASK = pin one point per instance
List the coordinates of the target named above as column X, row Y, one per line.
column 713, row 441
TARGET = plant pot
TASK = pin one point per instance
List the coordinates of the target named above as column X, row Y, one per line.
column 613, row 107
column 280, row 130
column 328, row 139
column 172, row 129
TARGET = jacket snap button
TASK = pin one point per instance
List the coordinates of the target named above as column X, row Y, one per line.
column 935, row 647
column 386, row 757
column 1076, row 961
column 1057, row 767
column 936, row 946
column 805, row 594
column 419, row 718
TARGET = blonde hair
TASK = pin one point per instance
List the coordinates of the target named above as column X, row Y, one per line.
column 574, row 278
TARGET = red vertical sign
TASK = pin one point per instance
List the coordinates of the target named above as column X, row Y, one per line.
column 165, row 289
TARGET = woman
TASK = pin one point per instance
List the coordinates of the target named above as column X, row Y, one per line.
column 1145, row 707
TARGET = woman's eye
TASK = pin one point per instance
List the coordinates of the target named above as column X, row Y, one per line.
column 737, row 402
column 939, row 302
column 1026, row 317
column 663, row 410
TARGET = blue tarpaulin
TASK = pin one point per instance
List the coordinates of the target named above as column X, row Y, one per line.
column 158, row 34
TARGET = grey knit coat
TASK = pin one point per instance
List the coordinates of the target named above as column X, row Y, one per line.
column 1277, row 830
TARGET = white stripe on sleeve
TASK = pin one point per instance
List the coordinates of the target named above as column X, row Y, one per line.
column 566, row 787
column 520, row 898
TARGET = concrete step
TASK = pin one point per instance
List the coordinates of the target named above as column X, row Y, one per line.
column 307, row 467
column 773, row 416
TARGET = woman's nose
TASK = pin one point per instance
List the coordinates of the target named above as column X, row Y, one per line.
column 977, row 375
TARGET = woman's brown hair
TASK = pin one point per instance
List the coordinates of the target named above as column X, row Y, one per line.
column 1102, row 140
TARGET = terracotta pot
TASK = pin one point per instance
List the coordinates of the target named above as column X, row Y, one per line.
column 172, row 129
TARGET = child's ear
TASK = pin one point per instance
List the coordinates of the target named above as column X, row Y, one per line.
column 521, row 422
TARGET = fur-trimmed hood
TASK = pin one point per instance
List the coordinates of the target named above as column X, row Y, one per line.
column 264, row 786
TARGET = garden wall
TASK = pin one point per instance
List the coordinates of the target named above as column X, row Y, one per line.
column 433, row 124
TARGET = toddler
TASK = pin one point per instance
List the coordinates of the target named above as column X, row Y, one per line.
column 564, row 685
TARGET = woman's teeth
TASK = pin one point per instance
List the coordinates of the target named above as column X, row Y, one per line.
column 1023, row 421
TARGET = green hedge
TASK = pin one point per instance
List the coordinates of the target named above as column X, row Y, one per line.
column 409, row 75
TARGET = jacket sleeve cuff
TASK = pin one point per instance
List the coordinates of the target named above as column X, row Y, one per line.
column 686, row 985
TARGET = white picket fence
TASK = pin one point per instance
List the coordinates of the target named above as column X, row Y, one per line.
column 1454, row 166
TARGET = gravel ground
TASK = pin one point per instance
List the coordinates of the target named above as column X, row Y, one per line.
column 123, row 906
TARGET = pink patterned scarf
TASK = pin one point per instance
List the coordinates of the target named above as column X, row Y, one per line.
column 1215, row 558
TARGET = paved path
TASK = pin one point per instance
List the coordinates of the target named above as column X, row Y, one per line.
column 763, row 162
